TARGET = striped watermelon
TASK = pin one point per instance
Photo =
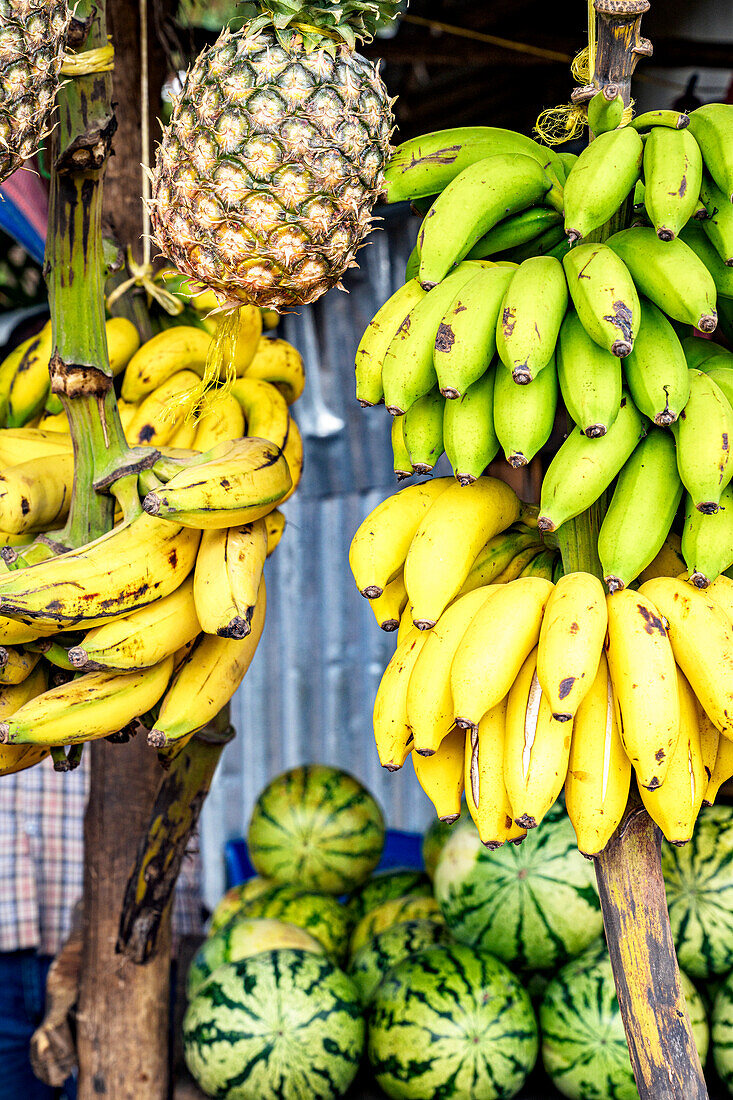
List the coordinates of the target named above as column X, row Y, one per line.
column 583, row 1042
column 317, row 827
column 385, row 886
column 231, row 903
column 451, row 1023
column 722, row 1032
column 320, row 914
column 699, row 882
column 372, row 961
column 534, row 905
column 240, row 938
column 394, row 911
column 282, row 1025
column 435, row 837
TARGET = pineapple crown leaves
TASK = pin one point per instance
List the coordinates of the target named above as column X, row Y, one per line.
column 317, row 23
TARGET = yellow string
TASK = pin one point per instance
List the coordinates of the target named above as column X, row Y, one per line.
column 219, row 370
column 99, row 60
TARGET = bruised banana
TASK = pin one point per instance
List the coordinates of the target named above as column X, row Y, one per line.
column 16, row 758
column 227, row 578
column 465, row 342
column 571, row 642
column 604, row 295
column 16, row 664
column 378, row 336
column 486, row 796
column 531, row 314
column 36, row 494
column 707, row 540
column 29, row 386
column 153, row 422
column 672, row 177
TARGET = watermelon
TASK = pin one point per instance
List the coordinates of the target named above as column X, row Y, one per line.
column 435, row 837
column 699, row 882
column 316, row 827
column 534, row 905
column 231, row 903
column 395, row 911
column 372, row 961
column 451, row 1023
column 240, row 938
column 385, row 886
column 281, row 1025
column 320, row 914
column 722, row 1032
column 583, row 1042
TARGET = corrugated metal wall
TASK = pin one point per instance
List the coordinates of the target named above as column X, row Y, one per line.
column 308, row 695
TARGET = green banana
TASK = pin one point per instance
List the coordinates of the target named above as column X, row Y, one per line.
column 516, row 230
column 707, row 541
column 600, row 180
column 530, row 317
column 524, row 415
column 558, row 570
column 468, row 430
column 567, row 160
column 583, row 468
column 672, row 177
column 413, row 264
column 656, row 370
column 422, row 430
column 465, row 342
column 407, row 368
column 719, row 369
column 378, row 336
column 703, row 433
column 675, row 120
column 543, row 565
column 589, row 377
column 644, row 503
column 496, row 555
column 605, row 110
column 697, row 239
column 712, row 126
column 718, row 226
column 544, row 245
column 604, row 296
column 472, row 204
column 401, row 456
column 670, row 274
column 697, row 350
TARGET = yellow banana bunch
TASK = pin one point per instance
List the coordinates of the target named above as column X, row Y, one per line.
column 16, row 758
column 227, row 578
column 264, row 409
column 486, row 793
column 278, row 362
column 392, row 732
column 16, row 665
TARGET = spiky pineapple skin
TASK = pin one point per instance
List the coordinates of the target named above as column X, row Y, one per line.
column 267, row 174
column 32, row 39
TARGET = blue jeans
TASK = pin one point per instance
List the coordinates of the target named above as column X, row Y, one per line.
column 22, row 999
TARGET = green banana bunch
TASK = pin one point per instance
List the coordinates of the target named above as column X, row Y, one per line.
column 656, row 369
column 497, row 554
column 422, row 431
column 718, row 226
column 600, row 180
column 567, row 160
column 518, row 229
column 524, row 415
column 465, row 342
column 413, row 262
column 378, row 336
column 674, row 120
column 552, row 242
column 468, row 429
column 670, row 274
column 644, row 503
column 604, row 295
column 605, row 110
column 712, row 127
column 718, row 369
column 543, row 565
column 530, row 318
column 672, row 178
column 583, row 468
column 707, row 540
column 697, row 350
column 697, row 239
column 703, row 433
column 402, row 465
column 589, row 377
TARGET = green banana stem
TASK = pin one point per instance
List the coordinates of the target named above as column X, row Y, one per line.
column 125, row 493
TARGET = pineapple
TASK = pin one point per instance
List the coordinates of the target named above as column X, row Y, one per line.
column 32, row 39
column 265, row 178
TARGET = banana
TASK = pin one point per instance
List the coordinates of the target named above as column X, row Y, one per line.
column 142, row 638
column 670, row 274
column 275, row 524
column 23, row 444
column 542, row 565
column 605, row 111
column 422, row 431
column 429, row 700
column 206, row 680
column 468, row 430
column 220, row 417
column 472, row 204
column 441, row 776
column 567, row 160
column 163, row 411
column 411, row 267
column 640, row 515
column 36, row 494
column 496, row 555
column 536, row 749
column 16, row 758
column 699, row 349
column 265, row 410
column 552, row 243
column 123, row 340
column 380, row 545
column 599, row 772
column 408, row 370
column 722, row 376
column 583, row 468
column 31, row 381
column 405, row 624
column 280, row 364
column 697, row 239
column 644, row 677
column 530, row 318
column 722, row 770
column 448, row 539
column 571, row 642
column 604, row 295
column 465, row 342
column 712, row 128
column 389, row 606
column 8, row 369
column 227, row 578
column 710, row 738
column 488, row 659
column 486, row 796
column 676, row 120
column 672, row 178
column 518, row 564
column 718, row 225
column 600, row 180
column 401, row 463
column 656, row 369
column 720, row 591
column 524, row 414
column 675, row 805
column 707, row 540
column 703, row 433
column 589, row 378
column 379, row 334
column 293, row 455
column 181, row 348
column 392, row 733
column 16, row 665
column 128, row 568
column 516, row 230
column 237, row 486
column 184, row 435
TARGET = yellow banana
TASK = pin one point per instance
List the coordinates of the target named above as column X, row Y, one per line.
column 710, row 738
column 16, row 665
column 31, row 381
column 293, row 455
column 36, row 494
column 248, row 337
column 265, row 410
column 441, row 776
column 176, row 349
column 182, row 438
column 721, row 593
column 275, row 524
column 8, row 368
column 13, row 632
column 405, row 624
column 571, row 642
column 158, row 416
column 486, row 796
column 389, row 606
column 123, row 340
column 23, row 444
column 722, row 770
column 668, row 562
column 644, row 681
column 518, row 564
column 488, row 659
column 227, row 578
column 278, row 362
column 392, row 733
column 497, row 555
column 220, row 418
column 599, row 772
column 206, row 681
column 16, row 758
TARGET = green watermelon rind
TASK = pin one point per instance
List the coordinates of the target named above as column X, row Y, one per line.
column 384, row 886
column 722, row 1032
column 376, row 958
column 393, row 911
column 230, row 904
column 320, row 914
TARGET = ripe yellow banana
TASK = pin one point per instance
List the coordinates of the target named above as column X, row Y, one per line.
column 182, row 438
column 293, row 455
column 392, row 733
column 389, row 606
column 23, row 444
column 220, row 418
column 31, row 381
column 406, row 624
column 722, row 770
column 278, row 362
column 497, row 555
column 486, row 796
column 710, row 738
column 181, row 348
column 518, row 564
column 227, row 578
column 265, row 410
column 644, row 682
column 275, row 524
column 668, row 562
column 16, row 665
column 571, row 642
column 488, row 659
column 441, row 776
column 16, row 758
column 123, row 340
column 207, row 679
column 36, row 494
column 721, row 593
column 162, row 412
column 599, row 772
column 8, row 369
